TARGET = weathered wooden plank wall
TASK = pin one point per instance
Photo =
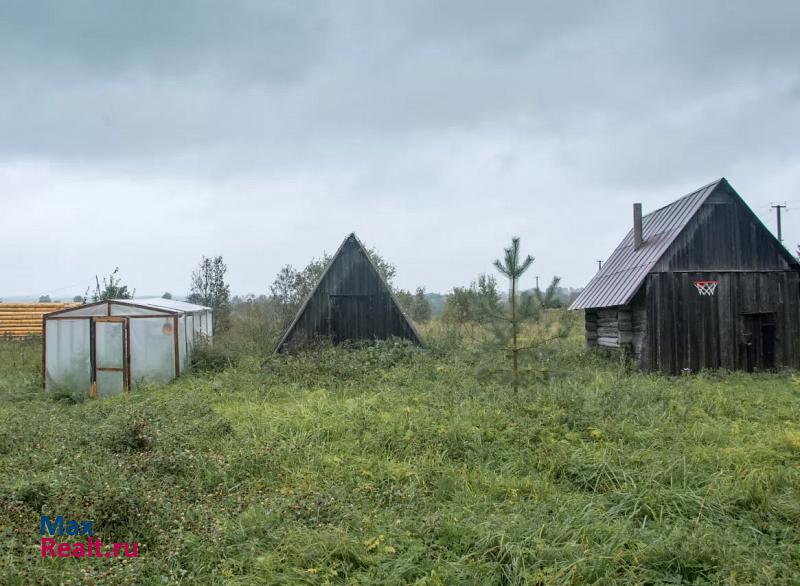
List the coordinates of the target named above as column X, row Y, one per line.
column 724, row 236
column 693, row 331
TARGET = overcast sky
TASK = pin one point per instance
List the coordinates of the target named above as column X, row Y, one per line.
column 146, row 134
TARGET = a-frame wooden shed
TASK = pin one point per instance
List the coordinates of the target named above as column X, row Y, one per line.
column 351, row 301
column 700, row 283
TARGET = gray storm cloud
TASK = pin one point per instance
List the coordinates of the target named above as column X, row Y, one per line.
column 145, row 134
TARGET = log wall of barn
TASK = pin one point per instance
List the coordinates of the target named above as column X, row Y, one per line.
column 616, row 327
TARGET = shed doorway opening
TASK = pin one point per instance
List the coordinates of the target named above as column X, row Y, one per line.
column 758, row 341
column 110, row 356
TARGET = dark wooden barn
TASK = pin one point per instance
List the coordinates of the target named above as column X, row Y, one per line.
column 698, row 284
column 350, row 302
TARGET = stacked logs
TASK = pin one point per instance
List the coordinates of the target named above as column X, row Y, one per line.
column 18, row 320
column 591, row 327
column 611, row 328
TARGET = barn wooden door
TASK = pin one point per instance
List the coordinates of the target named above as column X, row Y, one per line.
column 109, row 356
column 757, row 346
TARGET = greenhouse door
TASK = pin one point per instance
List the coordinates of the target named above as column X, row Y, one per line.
column 110, row 340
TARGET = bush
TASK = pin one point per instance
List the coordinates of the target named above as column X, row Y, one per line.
column 208, row 356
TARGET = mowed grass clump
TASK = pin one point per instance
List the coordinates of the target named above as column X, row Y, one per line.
column 392, row 464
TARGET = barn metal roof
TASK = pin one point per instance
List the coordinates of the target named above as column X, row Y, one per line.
column 625, row 270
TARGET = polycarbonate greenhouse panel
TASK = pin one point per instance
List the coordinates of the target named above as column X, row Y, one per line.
column 110, row 383
column 131, row 310
column 190, row 332
column 171, row 304
column 109, row 344
column 152, row 350
column 69, row 364
column 182, row 341
column 198, row 328
column 86, row 311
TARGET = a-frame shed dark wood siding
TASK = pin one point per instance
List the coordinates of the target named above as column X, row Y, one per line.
column 752, row 320
column 351, row 302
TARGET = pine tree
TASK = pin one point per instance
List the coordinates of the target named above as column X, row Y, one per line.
column 501, row 325
column 549, row 299
column 513, row 268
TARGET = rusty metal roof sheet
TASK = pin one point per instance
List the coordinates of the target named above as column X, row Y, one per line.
column 625, row 270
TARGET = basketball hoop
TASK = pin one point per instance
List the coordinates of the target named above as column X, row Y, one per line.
column 706, row 287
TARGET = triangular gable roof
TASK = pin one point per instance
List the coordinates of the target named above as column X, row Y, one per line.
column 626, row 269
column 351, row 238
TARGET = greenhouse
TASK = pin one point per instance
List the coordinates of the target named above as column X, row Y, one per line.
column 109, row 347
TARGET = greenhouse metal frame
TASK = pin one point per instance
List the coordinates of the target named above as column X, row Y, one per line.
column 109, row 347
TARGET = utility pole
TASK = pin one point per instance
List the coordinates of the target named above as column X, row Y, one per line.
column 778, row 207
column 599, row 264
column 537, row 282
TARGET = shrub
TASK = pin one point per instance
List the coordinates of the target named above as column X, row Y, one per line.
column 208, row 356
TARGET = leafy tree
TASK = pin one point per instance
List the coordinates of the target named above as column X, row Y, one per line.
column 209, row 288
column 166, row 295
column 421, row 308
column 291, row 287
column 473, row 303
column 45, row 299
column 112, row 288
column 405, row 299
column 79, row 299
column 386, row 269
column 415, row 305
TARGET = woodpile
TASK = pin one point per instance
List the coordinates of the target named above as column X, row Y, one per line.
column 18, row 320
column 611, row 328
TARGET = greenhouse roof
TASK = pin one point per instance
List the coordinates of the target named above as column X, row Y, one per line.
column 161, row 303
column 154, row 306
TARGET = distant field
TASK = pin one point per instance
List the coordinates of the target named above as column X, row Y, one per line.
column 395, row 465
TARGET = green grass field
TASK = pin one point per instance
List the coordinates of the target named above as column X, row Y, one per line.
column 393, row 465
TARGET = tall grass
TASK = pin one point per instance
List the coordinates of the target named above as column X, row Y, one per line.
column 391, row 464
